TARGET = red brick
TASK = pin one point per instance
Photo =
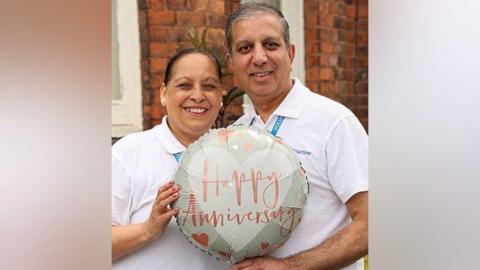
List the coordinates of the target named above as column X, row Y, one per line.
column 362, row 100
column 161, row 17
column 324, row 7
column 363, row 2
column 156, row 95
column 158, row 64
column 311, row 34
column 216, row 20
column 177, row 5
column 156, row 81
column 327, row 74
column 363, row 11
column 311, row 61
column 215, row 36
column 176, row 34
column 216, row 6
column 362, row 50
column 363, row 38
column 349, row 50
column 157, row 111
column 362, row 61
column 362, row 25
column 324, row 60
column 326, row 47
column 333, row 8
column 325, row 21
column 156, row 4
column 350, row 11
column 162, row 49
column 310, row 5
column 311, row 20
column 158, row 33
column 199, row 5
column 310, row 48
column 190, row 18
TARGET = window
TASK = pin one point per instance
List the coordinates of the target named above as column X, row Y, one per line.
column 126, row 74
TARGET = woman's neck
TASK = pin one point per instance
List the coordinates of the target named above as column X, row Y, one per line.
column 184, row 139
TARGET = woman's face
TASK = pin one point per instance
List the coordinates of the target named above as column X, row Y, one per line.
column 192, row 96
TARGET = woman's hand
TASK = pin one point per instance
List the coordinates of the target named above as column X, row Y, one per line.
column 161, row 212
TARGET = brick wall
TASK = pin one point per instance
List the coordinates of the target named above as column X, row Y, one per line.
column 336, row 46
column 163, row 27
column 336, row 52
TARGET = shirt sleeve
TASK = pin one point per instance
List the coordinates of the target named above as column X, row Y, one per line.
column 121, row 193
column 347, row 158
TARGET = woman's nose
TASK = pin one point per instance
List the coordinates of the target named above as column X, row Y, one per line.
column 197, row 94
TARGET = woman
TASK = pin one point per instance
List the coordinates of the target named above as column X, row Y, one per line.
column 144, row 235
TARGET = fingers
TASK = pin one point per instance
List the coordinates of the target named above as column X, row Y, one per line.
column 241, row 265
column 166, row 194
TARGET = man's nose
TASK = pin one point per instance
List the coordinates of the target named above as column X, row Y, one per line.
column 259, row 56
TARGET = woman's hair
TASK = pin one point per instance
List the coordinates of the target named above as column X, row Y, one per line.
column 177, row 56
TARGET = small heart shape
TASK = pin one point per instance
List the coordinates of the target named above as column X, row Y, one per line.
column 264, row 245
column 201, row 238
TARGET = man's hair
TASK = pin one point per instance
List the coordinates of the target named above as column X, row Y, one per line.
column 250, row 10
column 174, row 59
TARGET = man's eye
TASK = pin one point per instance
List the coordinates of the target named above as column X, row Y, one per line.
column 244, row 49
column 271, row 45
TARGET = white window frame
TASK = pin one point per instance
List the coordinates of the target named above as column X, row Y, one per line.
column 127, row 112
column 293, row 12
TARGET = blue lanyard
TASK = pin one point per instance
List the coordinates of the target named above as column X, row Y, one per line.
column 178, row 156
column 276, row 126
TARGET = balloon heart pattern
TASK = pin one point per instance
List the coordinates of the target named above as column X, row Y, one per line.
column 242, row 193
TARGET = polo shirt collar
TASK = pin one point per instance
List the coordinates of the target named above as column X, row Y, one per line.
column 166, row 138
column 291, row 106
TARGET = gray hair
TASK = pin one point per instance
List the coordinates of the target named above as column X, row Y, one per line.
column 250, row 10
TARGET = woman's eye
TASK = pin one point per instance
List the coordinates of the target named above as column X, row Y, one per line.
column 184, row 86
column 209, row 87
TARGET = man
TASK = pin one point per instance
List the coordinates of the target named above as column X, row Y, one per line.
column 328, row 139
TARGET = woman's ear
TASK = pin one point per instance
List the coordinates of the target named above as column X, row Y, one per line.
column 163, row 97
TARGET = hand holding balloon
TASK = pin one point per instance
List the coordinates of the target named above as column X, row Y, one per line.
column 161, row 212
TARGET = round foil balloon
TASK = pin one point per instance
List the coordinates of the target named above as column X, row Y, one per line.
column 242, row 193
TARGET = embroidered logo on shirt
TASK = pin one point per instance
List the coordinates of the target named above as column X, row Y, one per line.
column 302, row 152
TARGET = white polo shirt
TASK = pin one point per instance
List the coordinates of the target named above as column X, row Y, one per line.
column 332, row 146
column 141, row 163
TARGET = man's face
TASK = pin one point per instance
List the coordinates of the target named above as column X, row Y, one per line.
column 259, row 58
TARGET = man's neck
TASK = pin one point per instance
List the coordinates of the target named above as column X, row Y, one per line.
column 266, row 106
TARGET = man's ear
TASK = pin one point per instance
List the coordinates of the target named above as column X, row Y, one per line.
column 291, row 53
column 228, row 59
column 163, row 97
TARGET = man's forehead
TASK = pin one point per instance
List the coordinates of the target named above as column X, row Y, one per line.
column 262, row 25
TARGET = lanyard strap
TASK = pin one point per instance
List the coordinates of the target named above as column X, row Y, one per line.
column 178, row 156
column 276, row 126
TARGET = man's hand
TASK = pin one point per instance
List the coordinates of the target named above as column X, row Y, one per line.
column 262, row 263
